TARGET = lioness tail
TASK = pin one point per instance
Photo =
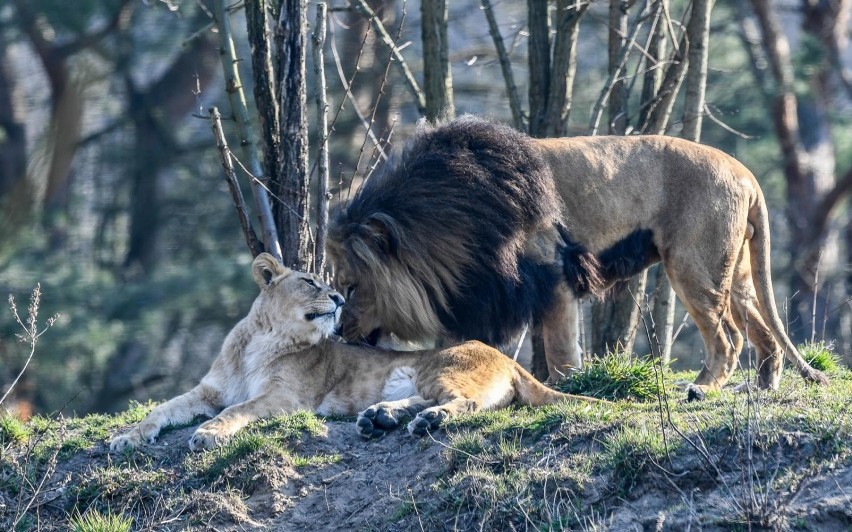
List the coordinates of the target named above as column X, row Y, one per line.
column 533, row 393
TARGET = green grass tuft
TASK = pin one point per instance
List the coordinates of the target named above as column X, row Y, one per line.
column 293, row 426
column 94, row 521
column 242, row 446
column 820, row 356
column 615, row 376
column 12, row 430
column 631, row 451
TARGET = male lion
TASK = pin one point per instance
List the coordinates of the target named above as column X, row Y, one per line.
column 475, row 229
column 277, row 359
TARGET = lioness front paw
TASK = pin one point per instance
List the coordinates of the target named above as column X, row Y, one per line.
column 427, row 421
column 131, row 439
column 122, row 442
column 208, row 437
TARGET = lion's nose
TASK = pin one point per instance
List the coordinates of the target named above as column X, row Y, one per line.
column 337, row 298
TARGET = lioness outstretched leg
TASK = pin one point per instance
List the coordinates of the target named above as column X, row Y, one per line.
column 219, row 430
column 203, row 400
column 382, row 417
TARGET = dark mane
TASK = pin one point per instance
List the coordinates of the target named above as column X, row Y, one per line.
column 453, row 211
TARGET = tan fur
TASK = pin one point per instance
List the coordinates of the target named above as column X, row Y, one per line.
column 710, row 225
column 278, row 360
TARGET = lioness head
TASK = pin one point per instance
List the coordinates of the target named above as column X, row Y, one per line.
column 307, row 308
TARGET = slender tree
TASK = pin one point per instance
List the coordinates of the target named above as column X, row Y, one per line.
column 437, row 74
column 290, row 191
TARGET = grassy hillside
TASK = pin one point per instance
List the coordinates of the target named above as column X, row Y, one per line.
column 649, row 461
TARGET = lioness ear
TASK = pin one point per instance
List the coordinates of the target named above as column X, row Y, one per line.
column 265, row 268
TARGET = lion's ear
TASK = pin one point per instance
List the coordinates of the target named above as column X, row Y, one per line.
column 384, row 233
column 265, row 268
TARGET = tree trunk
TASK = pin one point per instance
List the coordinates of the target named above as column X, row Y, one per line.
column 564, row 67
column 539, row 64
column 698, row 32
column 15, row 189
column 617, row 106
column 321, row 98
column 154, row 145
column 437, row 75
column 257, row 24
column 290, row 207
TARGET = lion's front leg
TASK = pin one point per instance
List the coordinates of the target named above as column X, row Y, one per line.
column 219, row 430
column 560, row 331
column 201, row 400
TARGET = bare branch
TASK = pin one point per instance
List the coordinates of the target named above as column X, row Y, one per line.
column 505, row 66
column 630, row 42
column 347, row 88
column 411, row 83
column 254, row 245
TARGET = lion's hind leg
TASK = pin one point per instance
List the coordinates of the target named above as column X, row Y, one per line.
column 706, row 297
column 387, row 415
column 749, row 319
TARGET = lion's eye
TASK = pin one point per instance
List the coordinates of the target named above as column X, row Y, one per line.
column 311, row 282
column 350, row 290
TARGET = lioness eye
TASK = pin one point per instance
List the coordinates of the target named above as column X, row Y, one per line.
column 311, row 282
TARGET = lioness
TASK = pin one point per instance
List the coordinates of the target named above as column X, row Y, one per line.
column 277, row 360
column 474, row 230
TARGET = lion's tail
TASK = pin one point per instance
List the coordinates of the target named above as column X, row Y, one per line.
column 758, row 216
column 530, row 392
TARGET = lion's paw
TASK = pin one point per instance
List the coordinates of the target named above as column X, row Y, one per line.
column 427, row 421
column 815, row 376
column 695, row 392
column 378, row 419
column 208, row 437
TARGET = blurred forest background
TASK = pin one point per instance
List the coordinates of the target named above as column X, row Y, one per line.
column 112, row 194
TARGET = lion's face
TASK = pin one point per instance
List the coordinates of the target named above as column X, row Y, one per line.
column 359, row 320
column 308, row 308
